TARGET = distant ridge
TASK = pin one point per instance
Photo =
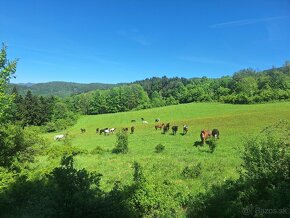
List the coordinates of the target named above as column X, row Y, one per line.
column 58, row 88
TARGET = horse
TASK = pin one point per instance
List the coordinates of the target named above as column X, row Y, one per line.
column 142, row 119
column 145, row 122
column 112, row 130
column 133, row 121
column 83, row 130
column 103, row 130
column 125, row 129
column 215, row 133
column 107, row 132
column 157, row 120
column 159, row 126
column 174, row 129
column 168, row 125
column 97, row 130
column 185, row 129
column 132, row 129
column 59, row 137
column 165, row 129
column 204, row 135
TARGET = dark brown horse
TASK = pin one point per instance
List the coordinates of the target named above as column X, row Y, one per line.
column 132, row 129
column 174, row 129
column 216, row 133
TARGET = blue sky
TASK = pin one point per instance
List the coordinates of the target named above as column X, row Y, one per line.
column 122, row 41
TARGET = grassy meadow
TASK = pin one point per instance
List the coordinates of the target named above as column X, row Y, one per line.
column 235, row 123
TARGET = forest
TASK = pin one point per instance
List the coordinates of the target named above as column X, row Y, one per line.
column 67, row 191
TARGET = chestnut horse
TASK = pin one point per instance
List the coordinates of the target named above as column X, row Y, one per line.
column 204, row 135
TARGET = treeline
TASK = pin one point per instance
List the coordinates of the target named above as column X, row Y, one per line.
column 244, row 87
column 32, row 110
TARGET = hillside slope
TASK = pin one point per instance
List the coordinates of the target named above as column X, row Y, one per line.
column 61, row 89
column 235, row 122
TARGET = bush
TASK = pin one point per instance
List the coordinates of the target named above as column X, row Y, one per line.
column 192, row 172
column 121, row 143
column 159, row 148
column 264, row 180
column 98, row 150
column 212, row 143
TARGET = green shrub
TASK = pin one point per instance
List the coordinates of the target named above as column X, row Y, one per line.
column 212, row 144
column 264, row 180
column 98, row 150
column 192, row 171
column 159, row 148
column 121, row 143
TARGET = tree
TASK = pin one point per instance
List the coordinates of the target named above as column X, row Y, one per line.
column 7, row 69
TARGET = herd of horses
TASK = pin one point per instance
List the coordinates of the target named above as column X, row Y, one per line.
column 204, row 134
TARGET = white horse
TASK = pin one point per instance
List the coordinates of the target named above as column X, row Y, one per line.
column 145, row 122
column 112, row 130
column 59, row 137
column 107, row 131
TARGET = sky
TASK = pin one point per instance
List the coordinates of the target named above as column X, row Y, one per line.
column 110, row 41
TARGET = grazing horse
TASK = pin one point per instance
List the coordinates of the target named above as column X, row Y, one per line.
column 132, row 129
column 157, row 120
column 174, row 129
column 168, row 125
column 204, row 135
column 159, row 126
column 58, row 137
column 133, row 121
column 112, row 130
column 103, row 130
column 107, row 132
column 165, row 129
column 125, row 129
column 216, row 133
column 97, row 130
column 145, row 122
column 185, row 129
column 83, row 130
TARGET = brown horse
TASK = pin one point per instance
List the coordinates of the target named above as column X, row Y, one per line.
column 204, row 135
column 159, row 126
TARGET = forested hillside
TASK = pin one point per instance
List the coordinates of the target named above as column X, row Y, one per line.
column 244, row 87
column 61, row 89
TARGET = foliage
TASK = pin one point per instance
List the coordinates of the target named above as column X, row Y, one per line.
column 159, row 148
column 263, row 183
column 32, row 110
column 149, row 199
column 212, row 144
column 121, row 143
column 16, row 144
column 97, row 150
column 192, row 171
column 7, row 69
column 65, row 192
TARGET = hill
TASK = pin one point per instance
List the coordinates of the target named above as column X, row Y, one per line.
column 235, row 122
column 61, row 89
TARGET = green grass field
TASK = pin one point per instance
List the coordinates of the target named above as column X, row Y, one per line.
column 235, row 123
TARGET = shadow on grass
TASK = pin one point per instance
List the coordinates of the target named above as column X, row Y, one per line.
column 198, row 144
